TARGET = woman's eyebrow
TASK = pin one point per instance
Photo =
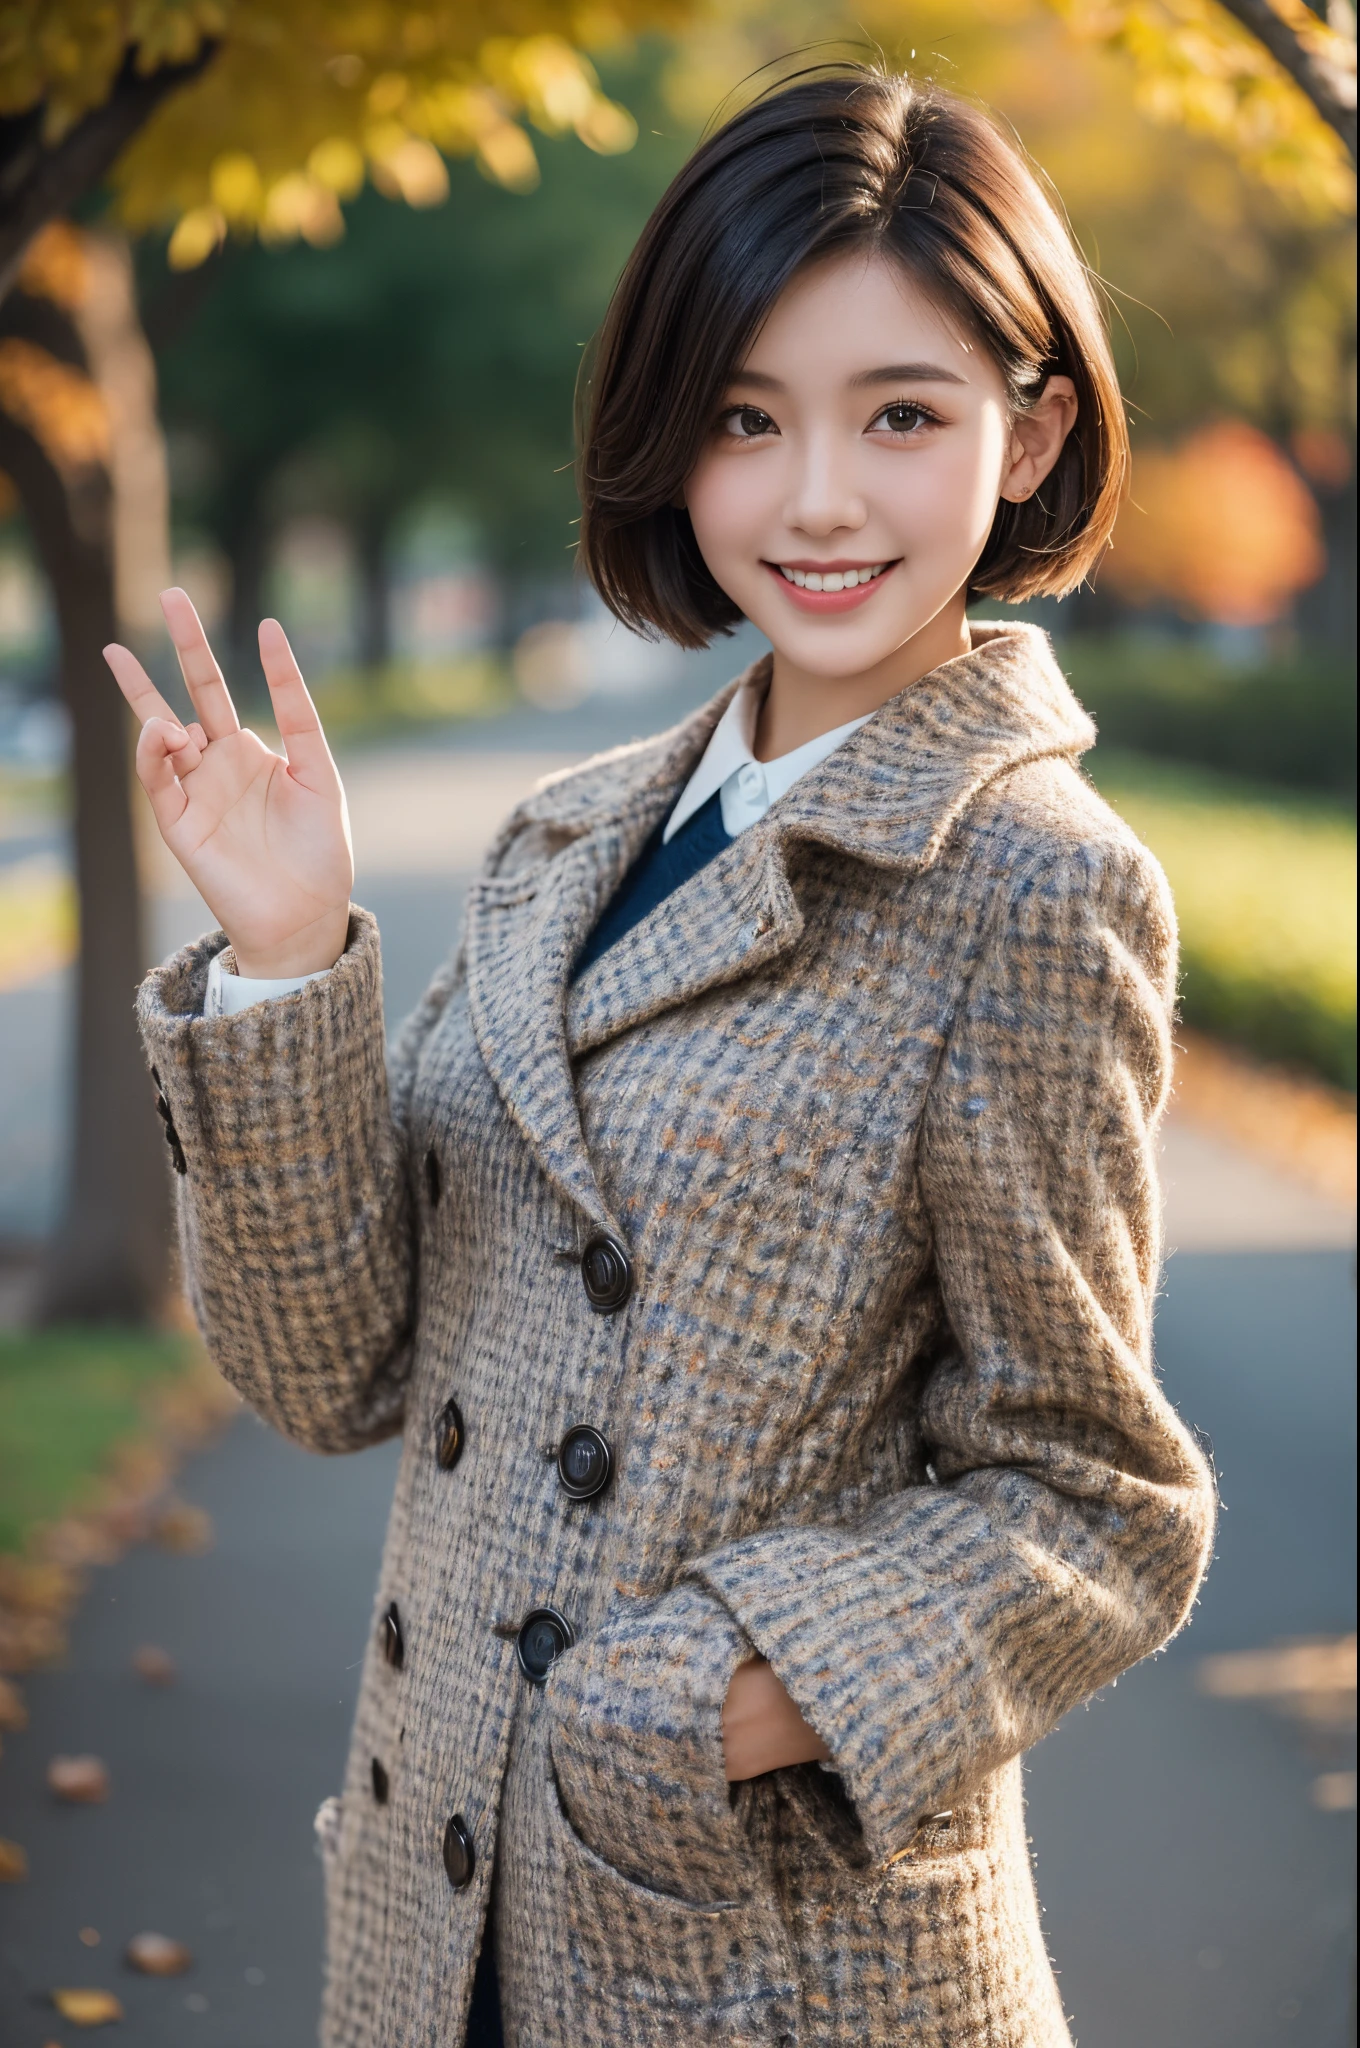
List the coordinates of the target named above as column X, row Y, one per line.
column 891, row 373
column 908, row 373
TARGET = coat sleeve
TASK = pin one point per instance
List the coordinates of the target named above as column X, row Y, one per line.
column 1071, row 1514
column 293, row 1190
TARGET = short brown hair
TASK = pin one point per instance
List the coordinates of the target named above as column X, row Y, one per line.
column 837, row 158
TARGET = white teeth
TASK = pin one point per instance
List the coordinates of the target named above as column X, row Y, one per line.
column 831, row 579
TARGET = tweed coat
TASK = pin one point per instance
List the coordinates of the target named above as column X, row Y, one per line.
column 870, row 1101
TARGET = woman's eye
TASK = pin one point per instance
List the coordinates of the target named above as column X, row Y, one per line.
column 904, row 418
column 747, row 422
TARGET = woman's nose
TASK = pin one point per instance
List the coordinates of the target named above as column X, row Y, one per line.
column 823, row 498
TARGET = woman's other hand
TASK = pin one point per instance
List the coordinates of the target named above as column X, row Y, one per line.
column 263, row 837
column 762, row 1728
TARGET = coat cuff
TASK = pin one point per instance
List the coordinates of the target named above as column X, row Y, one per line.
column 877, row 1655
column 229, row 1082
column 637, row 1744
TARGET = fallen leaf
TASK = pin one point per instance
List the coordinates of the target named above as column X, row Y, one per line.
column 154, row 1665
column 87, row 2008
column 186, row 1531
column 126, row 1522
column 79, row 1540
column 13, row 1712
column 156, row 1955
column 83, row 1780
column 13, row 1863
column 28, row 1641
column 37, row 1586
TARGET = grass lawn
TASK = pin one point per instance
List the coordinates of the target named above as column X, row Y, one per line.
column 67, row 1398
column 1265, row 891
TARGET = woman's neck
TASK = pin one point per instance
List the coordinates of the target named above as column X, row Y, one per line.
column 800, row 706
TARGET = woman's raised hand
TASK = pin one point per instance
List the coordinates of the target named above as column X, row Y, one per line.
column 263, row 837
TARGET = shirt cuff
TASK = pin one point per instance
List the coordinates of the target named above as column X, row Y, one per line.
column 228, row 994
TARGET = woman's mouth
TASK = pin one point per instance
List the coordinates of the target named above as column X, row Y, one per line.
column 830, row 587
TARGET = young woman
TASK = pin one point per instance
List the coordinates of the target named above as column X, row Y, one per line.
column 754, row 1233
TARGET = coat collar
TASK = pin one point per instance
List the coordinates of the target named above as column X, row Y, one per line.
column 889, row 795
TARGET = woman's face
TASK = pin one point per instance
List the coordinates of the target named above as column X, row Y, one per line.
column 850, row 482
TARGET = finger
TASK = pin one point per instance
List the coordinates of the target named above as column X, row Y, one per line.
column 197, row 735
column 156, row 771
column 136, row 685
column 186, row 748
column 309, row 758
column 198, row 665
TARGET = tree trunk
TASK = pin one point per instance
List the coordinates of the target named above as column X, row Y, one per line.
column 375, row 596
column 245, row 542
column 109, row 1256
column 42, row 178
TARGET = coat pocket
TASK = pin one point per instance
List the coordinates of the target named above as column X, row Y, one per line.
column 643, row 1895
column 652, row 1968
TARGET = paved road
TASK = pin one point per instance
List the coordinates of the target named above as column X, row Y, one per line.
column 1195, row 1896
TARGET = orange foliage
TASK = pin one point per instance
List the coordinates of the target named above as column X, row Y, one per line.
column 59, row 406
column 55, row 266
column 1223, row 528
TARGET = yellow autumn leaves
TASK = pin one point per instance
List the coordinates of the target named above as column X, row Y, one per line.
column 299, row 101
column 1195, row 67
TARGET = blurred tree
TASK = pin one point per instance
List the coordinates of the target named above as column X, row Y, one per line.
column 221, row 117
column 262, row 115
column 1223, row 527
column 419, row 355
column 78, row 436
column 1272, row 79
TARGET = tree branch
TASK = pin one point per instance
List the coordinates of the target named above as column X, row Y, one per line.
column 1330, row 86
column 38, row 183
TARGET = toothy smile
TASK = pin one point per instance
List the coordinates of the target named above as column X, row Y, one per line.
column 831, row 579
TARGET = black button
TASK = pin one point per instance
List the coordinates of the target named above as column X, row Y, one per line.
column 448, row 1436
column 380, row 1784
column 392, row 1640
column 180, row 1163
column 543, row 1636
column 607, row 1274
column 460, row 1858
column 584, row 1463
column 434, row 1179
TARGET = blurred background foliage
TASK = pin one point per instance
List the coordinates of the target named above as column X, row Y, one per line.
column 371, row 244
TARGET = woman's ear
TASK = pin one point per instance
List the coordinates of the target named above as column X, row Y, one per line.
column 1037, row 436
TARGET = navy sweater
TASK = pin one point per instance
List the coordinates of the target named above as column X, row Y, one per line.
column 656, row 873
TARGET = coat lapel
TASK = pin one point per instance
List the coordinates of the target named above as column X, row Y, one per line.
column 890, row 795
column 526, row 924
column 736, row 915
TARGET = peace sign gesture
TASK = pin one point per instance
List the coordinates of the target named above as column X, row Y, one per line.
column 263, row 837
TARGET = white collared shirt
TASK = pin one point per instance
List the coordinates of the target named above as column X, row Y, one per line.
column 749, row 786
column 728, row 764
column 228, row 994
